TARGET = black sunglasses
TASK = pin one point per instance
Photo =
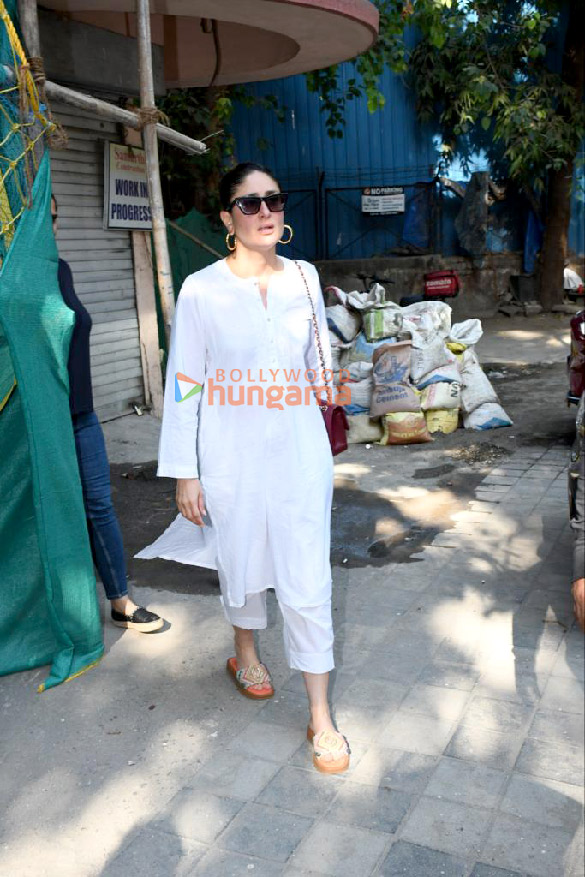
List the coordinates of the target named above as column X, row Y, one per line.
column 250, row 204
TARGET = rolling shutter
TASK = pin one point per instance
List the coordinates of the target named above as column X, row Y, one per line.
column 101, row 261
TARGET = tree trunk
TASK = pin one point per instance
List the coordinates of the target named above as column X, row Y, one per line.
column 558, row 215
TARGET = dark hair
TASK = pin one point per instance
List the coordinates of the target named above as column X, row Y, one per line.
column 55, row 200
column 234, row 178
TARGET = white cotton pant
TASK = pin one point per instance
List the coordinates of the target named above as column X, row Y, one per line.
column 308, row 631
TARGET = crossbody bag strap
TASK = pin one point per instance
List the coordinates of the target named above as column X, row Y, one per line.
column 315, row 324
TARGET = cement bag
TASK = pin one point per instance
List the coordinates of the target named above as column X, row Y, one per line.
column 425, row 320
column 449, row 372
column 361, row 392
column 424, row 360
column 489, row 415
column 364, row 350
column 404, row 428
column 476, row 388
column 392, row 390
column 382, row 322
column 343, row 323
column 441, row 396
column 362, row 429
column 363, row 301
column 467, row 333
column 445, row 421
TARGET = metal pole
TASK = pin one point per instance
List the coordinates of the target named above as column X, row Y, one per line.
column 159, row 232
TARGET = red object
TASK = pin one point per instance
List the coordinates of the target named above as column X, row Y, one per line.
column 577, row 356
column 441, row 284
column 336, row 424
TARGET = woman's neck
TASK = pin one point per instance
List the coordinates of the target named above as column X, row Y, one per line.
column 250, row 263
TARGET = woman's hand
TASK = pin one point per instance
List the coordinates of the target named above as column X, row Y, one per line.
column 190, row 500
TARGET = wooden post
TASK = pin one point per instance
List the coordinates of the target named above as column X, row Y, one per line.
column 29, row 23
column 159, row 232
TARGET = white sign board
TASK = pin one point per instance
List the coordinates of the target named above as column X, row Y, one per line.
column 126, row 201
column 383, row 199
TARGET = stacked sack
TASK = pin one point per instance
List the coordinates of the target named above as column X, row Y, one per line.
column 410, row 372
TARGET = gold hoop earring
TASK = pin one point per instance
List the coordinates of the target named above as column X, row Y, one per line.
column 291, row 235
column 231, row 247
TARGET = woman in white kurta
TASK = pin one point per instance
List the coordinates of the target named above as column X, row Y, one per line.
column 245, row 439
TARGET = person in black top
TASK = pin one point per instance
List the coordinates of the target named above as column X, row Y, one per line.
column 104, row 530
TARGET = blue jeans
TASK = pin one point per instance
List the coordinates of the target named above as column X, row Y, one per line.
column 105, row 535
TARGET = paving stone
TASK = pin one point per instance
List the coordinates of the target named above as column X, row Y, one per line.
column 484, row 746
column 198, row 815
column 395, row 769
column 234, row 775
column 273, row 743
column 559, row 805
column 157, row 851
column 438, row 703
column 558, row 727
column 222, row 863
column 379, row 809
column 487, row 871
column 527, row 847
column 447, row 826
column 305, row 792
column 266, row 832
column 555, row 761
column 340, row 850
column 497, row 715
column 563, row 694
column 408, row 860
column 450, row 675
column 466, row 783
column 414, row 733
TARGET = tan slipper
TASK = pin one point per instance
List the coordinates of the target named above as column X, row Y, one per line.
column 255, row 674
column 329, row 743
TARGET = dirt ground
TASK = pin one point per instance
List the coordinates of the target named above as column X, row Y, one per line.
column 389, row 501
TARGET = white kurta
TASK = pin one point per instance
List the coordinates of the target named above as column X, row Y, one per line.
column 265, row 466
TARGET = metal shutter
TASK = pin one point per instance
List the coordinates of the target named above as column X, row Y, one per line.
column 101, row 261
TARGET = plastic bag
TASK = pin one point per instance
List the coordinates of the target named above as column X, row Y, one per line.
column 382, row 322
column 392, row 390
column 441, row 396
column 363, row 429
column 363, row 301
column 490, row 415
column 445, row 420
column 405, row 428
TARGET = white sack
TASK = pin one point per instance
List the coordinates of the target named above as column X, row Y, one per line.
column 363, row 350
column 448, row 372
column 441, row 396
column 361, row 392
column 490, row 415
column 468, row 332
column 362, row 429
column 426, row 320
column 424, row 360
column 363, row 301
column 476, row 388
column 343, row 322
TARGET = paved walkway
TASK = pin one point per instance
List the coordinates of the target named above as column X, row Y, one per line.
column 459, row 684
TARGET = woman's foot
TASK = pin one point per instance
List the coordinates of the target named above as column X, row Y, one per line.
column 126, row 614
column 330, row 750
column 253, row 681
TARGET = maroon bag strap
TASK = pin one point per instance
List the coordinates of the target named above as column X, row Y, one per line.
column 315, row 323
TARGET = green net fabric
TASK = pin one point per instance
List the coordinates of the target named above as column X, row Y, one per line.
column 48, row 604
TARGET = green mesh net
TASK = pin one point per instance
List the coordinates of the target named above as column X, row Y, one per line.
column 48, row 604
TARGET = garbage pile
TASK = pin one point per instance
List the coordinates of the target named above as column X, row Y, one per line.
column 410, row 372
